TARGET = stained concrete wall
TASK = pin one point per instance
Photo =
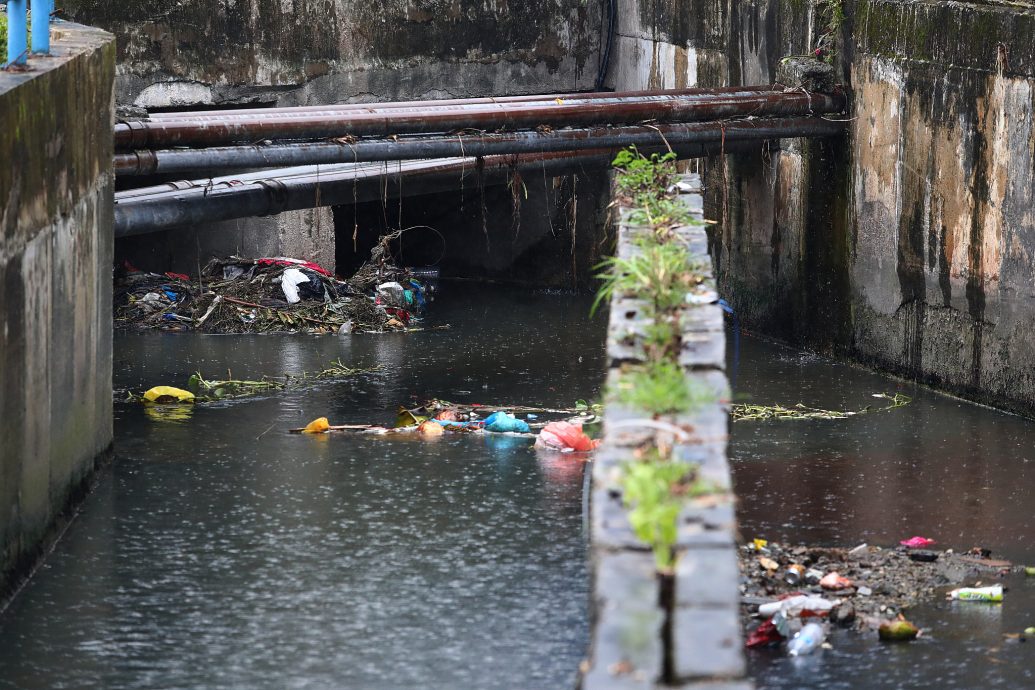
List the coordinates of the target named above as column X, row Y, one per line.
column 55, row 286
column 909, row 245
column 176, row 54
column 297, row 52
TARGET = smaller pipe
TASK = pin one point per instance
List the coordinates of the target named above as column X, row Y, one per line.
column 17, row 30
column 41, row 25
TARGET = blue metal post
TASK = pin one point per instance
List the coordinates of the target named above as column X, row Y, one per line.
column 16, row 32
column 41, row 25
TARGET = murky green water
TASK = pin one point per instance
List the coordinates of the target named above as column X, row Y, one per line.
column 942, row 468
column 220, row 551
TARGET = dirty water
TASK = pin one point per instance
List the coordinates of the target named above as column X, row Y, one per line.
column 220, row 551
column 939, row 467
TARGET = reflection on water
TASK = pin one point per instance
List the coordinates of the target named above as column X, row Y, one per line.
column 221, row 551
column 939, row 467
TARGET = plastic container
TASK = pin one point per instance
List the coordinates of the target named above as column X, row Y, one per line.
column 807, row 640
column 991, row 594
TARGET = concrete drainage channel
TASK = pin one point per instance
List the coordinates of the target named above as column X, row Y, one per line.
column 676, row 625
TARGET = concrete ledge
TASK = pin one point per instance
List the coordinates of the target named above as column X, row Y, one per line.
column 679, row 631
column 55, row 288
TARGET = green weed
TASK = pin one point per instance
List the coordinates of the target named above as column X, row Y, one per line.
column 661, row 388
column 654, row 490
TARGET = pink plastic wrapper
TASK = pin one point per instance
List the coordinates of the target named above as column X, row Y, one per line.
column 917, row 542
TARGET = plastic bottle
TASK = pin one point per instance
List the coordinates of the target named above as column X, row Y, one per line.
column 807, row 640
column 994, row 593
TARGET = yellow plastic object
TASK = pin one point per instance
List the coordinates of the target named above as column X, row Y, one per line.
column 760, row 544
column 317, row 426
column 168, row 394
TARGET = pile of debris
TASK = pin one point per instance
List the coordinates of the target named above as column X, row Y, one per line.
column 272, row 295
column 867, row 588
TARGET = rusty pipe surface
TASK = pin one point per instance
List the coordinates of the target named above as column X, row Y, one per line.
column 306, row 110
column 488, row 117
column 206, row 201
column 170, row 161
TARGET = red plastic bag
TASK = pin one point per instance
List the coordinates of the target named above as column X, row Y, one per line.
column 764, row 634
column 565, row 437
column 917, row 542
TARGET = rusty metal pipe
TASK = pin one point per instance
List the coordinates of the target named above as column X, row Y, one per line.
column 491, row 118
column 176, row 161
column 307, row 110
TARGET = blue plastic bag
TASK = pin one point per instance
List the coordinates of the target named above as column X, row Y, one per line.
column 501, row 421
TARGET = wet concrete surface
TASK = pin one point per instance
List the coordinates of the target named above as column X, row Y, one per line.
column 940, row 467
column 220, row 551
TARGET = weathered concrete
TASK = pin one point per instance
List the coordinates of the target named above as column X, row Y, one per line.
column 910, row 245
column 55, row 286
column 681, row 631
column 297, row 52
column 304, row 52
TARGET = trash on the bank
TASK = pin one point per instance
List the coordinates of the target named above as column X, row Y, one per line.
column 168, row 394
column 565, row 437
column 807, row 640
column 503, row 422
column 431, row 428
column 794, row 574
column 272, row 294
column 834, row 581
column 759, row 544
column 899, row 630
column 799, row 605
column 317, row 426
column 1029, row 631
column 923, row 556
column 917, row 542
column 289, row 282
column 861, row 548
column 813, row 576
column 768, row 564
column 991, row 594
column 764, row 634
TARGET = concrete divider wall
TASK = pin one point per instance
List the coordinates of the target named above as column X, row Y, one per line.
column 909, row 244
column 683, row 631
column 55, row 285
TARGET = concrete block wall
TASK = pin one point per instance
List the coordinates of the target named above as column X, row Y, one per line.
column 55, row 286
column 907, row 245
column 682, row 631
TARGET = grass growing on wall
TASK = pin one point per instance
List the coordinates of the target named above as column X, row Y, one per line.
column 660, row 274
column 3, row 36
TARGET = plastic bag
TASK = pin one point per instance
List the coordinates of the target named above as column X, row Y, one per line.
column 502, row 422
column 290, row 281
column 565, row 437
column 168, row 394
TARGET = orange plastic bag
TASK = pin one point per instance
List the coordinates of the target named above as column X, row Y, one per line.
column 565, row 437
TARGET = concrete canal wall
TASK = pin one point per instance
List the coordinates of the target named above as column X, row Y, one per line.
column 910, row 245
column 682, row 631
column 198, row 53
column 55, row 286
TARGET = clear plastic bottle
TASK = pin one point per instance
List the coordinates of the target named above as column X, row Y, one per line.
column 807, row 640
